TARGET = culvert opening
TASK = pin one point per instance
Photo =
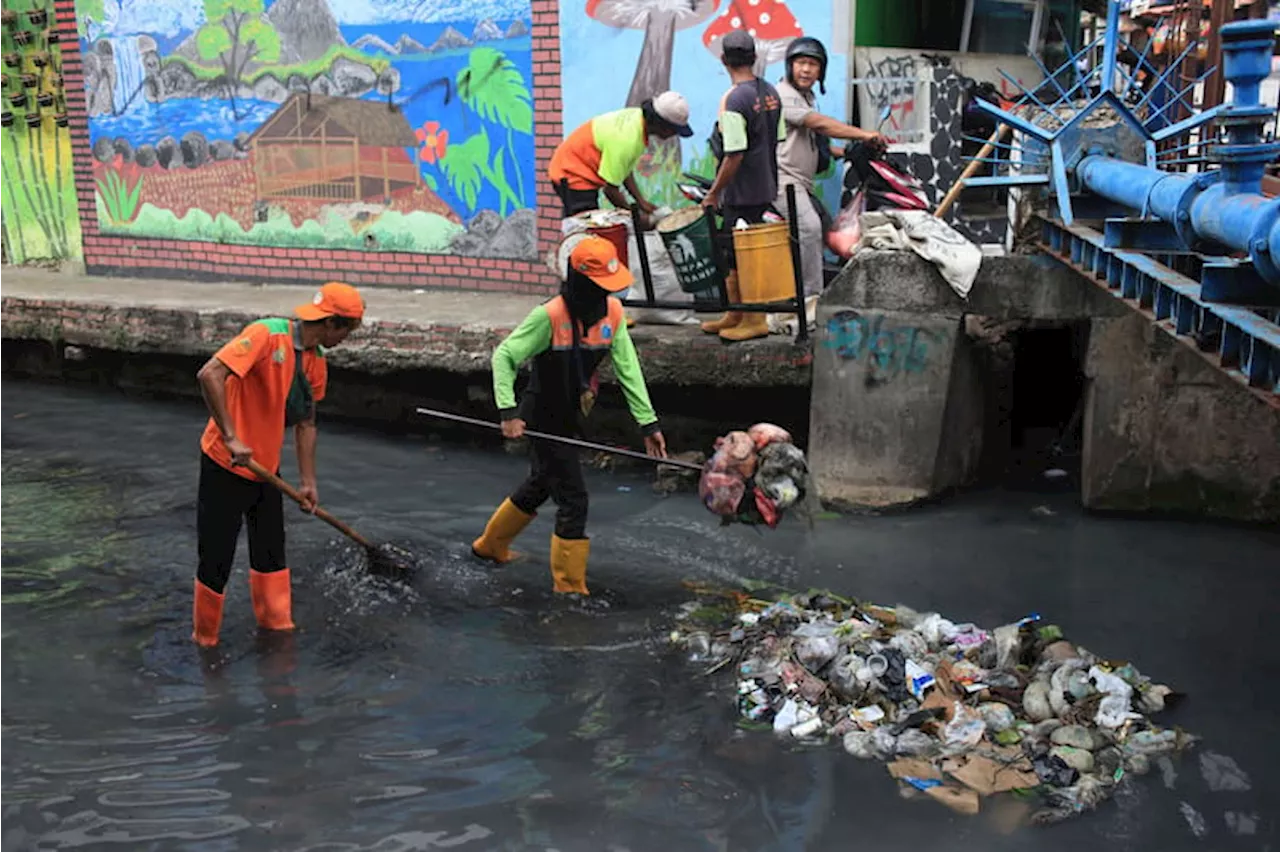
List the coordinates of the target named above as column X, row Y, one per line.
column 1035, row 405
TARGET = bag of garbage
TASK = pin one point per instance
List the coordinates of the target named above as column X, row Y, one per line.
column 755, row 476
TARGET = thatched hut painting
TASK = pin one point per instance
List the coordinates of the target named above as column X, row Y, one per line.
column 339, row 149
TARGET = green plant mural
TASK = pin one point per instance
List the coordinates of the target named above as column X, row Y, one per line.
column 236, row 35
column 391, row 231
column 40, row 220
column 660, row 185
column 118, row 196
column 494, row 89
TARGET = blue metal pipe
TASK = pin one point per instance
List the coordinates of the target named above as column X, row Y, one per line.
column 1151, row 191
column 1227, row 207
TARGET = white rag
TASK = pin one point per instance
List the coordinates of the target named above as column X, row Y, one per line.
column 928, row 236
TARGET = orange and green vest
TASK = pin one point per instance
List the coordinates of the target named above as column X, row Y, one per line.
column 553, row 399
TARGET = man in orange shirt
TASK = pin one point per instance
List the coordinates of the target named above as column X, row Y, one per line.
column 604, row 151
column 269, row 377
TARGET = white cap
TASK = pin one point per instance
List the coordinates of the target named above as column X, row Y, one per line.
column 672, row 108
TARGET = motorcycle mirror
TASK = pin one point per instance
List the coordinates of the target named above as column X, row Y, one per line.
column 885, row 112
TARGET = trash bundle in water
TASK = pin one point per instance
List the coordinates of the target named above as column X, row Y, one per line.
column 957, row 712
column 755, row 476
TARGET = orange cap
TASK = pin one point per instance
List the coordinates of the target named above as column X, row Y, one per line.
column 333, row 299
column 597, row 258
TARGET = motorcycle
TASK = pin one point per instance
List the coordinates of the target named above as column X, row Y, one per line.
column 696, row 187
column 871, row 182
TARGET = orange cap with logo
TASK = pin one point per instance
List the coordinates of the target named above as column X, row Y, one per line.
column 333, row 299
column 597, row 258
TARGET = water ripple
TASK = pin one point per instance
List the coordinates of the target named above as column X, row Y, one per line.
column 90, row 827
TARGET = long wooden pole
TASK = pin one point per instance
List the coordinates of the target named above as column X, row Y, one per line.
column 297, row 498
column 985, row 151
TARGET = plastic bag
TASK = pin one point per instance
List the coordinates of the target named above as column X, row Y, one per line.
column 966, row 728
column 847, row 229
column 764, row 434
column 1116, row 704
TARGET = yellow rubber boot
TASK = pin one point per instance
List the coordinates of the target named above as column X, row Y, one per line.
column 753, row 325
column 494, row 543
column 206, row 616
column 569, row 564
column 272, row 594
column 731, row 319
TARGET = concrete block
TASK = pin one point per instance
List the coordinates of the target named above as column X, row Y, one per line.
column 878, row 414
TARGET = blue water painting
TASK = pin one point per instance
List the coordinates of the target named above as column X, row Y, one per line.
column 144, row 122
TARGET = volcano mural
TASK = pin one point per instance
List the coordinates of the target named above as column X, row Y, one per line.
column 378, row 125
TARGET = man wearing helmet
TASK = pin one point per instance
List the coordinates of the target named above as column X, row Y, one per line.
column 804, row 151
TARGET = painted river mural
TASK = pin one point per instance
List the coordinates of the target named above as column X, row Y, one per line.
column 393, row 125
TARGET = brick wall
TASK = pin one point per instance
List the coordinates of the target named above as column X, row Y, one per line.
column 113, row 254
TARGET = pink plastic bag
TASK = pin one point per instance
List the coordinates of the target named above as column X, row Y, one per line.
column 738, row 454
column 764, row 434
column 847, row 230
column 721, row 492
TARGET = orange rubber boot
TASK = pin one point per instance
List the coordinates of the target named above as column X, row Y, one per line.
column 206, row 616
column 272, row 595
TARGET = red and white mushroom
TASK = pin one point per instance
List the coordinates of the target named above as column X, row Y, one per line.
column 769, row 22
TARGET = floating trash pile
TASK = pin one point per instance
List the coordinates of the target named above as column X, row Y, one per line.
column 755, row 476
column 957, row 712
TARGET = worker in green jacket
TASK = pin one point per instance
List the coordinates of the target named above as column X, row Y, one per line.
column 566, row 339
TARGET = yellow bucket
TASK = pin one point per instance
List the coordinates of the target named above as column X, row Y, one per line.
column 765, row 271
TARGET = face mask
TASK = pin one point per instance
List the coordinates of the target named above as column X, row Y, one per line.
column 587, row 301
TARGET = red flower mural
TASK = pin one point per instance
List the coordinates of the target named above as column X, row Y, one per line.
column 434, row 142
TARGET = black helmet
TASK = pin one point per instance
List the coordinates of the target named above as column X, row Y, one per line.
column 813, row 49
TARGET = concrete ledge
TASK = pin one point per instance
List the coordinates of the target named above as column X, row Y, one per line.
column 448, row 331
column 1013, row 287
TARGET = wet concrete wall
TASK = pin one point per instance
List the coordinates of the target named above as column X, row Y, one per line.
column 1165, row 430
column 700, row 387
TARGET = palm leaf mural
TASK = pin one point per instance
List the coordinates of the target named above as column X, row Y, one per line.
column 493, row 87
column 465, row 164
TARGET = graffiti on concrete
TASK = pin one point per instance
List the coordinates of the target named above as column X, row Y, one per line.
column 887, row 350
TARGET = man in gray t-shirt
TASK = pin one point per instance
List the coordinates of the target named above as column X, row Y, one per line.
column 746, row 182
column 806, row 130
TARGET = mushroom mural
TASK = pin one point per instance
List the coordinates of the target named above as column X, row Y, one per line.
column 660, row 19
column 769, row 22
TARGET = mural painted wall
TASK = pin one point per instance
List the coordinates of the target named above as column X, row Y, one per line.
column 616, row 53
column 380, row 125
column 40, row 221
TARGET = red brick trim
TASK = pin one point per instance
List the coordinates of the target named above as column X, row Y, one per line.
column 111, row 254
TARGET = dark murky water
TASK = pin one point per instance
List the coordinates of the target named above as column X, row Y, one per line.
column 463, row 710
